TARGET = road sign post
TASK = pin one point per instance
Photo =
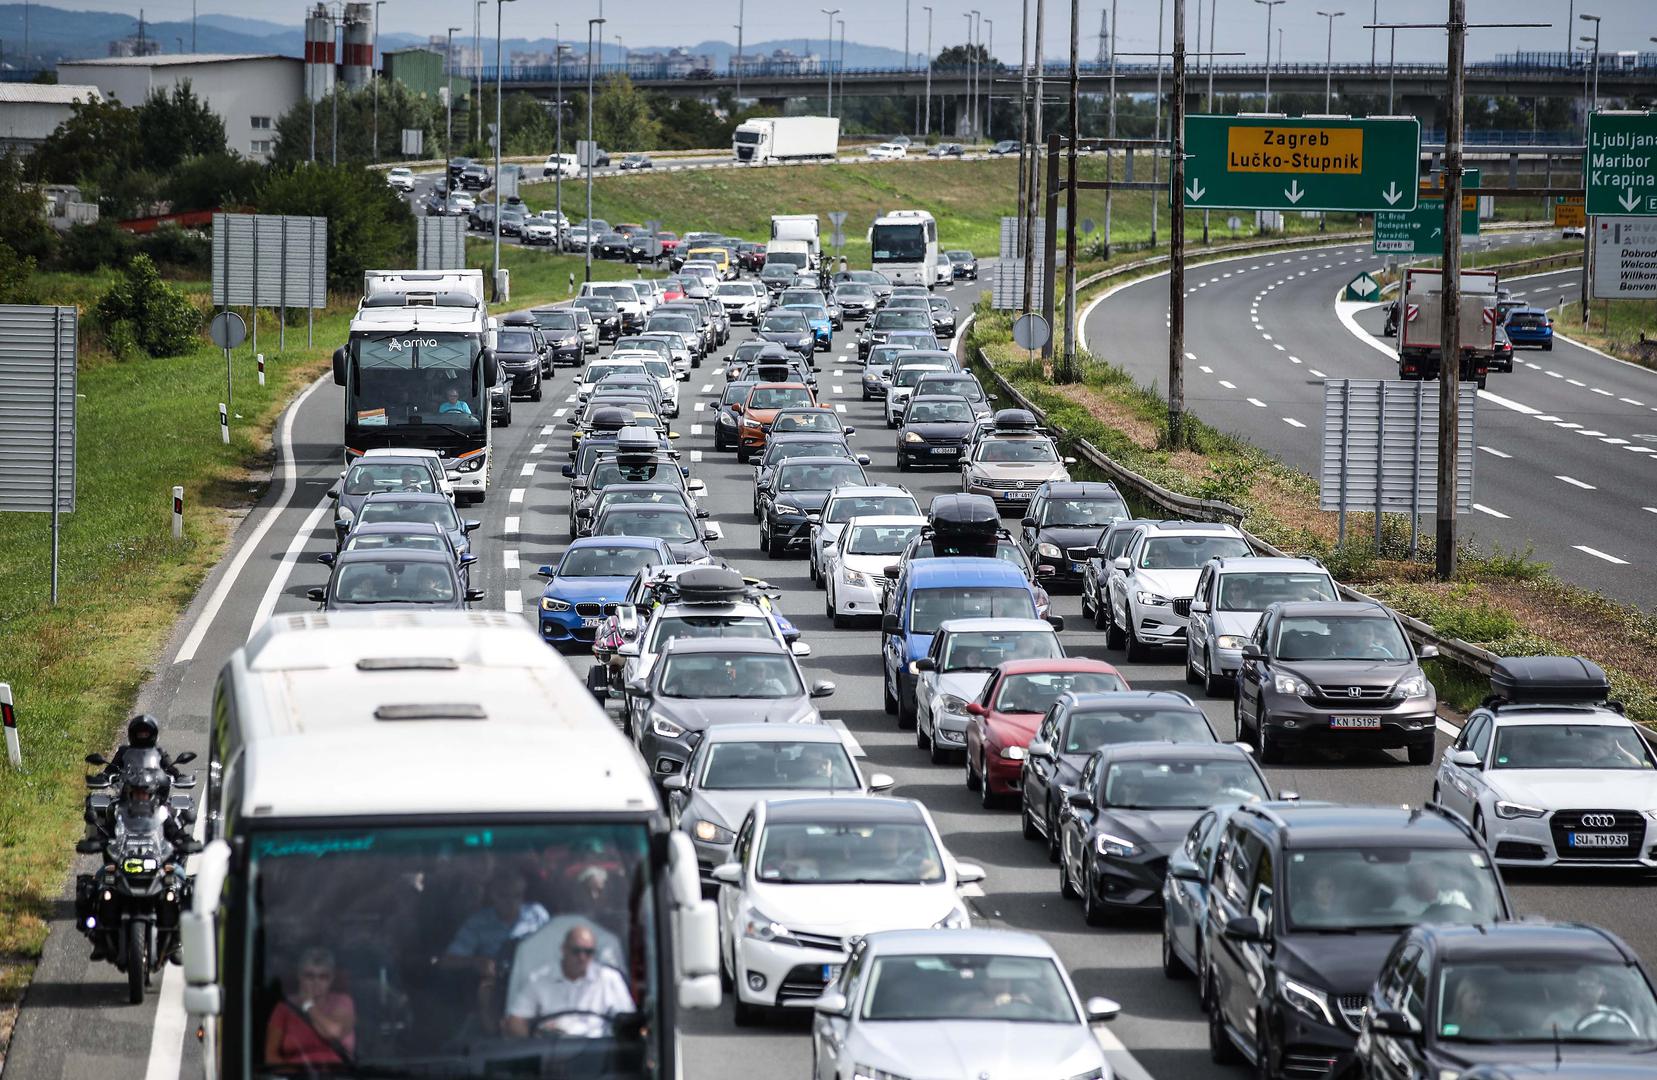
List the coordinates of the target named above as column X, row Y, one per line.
column 837, row 218
column 1278, row 163
column 1619, row 165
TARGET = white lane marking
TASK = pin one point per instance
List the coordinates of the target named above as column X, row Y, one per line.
column 1568, row 426
column 547, row 430
column 1494, row 452
column 1190, row 356
column 1257, row 403
column 695, row 455
column 699, row 405
column 1293, row 358
column 555, row 412
column 1598, row 554
column 509, row 559
column 538, row 448
column 527, row 470
column 1228, row 385
column 514, row 601
column 1615, row 442
column 846, row 735
column 1574, row 482
column 516, row 496
column 719, row 371
column 1590, row 433
column 1631, row 401
column 221, row 591
column 1278, row 347
column 509, row 528
column 570, row 400
column 279, row 580
column 1649, row 509
column 696, row 429
column 1265, row 335
column 1316, row 374
column 1641, row 449
column 839, row 407
column 1576, row 382
column 839, row 389
column 1546, row 418
column 1483, row 509
column 1597, row 390
column 1292, row 422
column 707, row 388
column 1555, row 375
column 1205, row 369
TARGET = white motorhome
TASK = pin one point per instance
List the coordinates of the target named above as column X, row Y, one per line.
column 786, row 138
column 373, row 778
column 418, row 335
column 903, row 245
column 796, row 233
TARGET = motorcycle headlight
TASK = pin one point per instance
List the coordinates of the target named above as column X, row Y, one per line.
column 1511, row 810
column 549, row 603
column 855, row 578
column 950, row 703
column 1014, row 753
column 1151, row 599
column 666, row 727
column 708, row 832
column 1050, row 551
column 788, row 510
column 1231, row 641
column 912, row 437
column 955, row 920
column 1289, row 684
column 1115, row 846
column 1414, row 686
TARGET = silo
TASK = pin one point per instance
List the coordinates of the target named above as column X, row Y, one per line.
column 358, row 60
column 319, row 53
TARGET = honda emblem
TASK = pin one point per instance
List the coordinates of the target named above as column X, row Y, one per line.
column 1354, row 691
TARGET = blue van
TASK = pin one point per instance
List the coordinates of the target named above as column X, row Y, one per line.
column 929, row 592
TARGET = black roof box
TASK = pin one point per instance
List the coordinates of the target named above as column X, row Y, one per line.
column 1015, row 420
column 963, row 524
column 1548, row 680
column 711, row 585
column 611, row 419
column 518, row 318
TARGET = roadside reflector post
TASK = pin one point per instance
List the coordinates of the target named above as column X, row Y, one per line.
column 14, row 749
column 224, row 423
column 178, row 512
column 261, row 369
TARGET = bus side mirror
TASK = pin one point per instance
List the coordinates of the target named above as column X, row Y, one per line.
column 491, row 370
column 339, row 366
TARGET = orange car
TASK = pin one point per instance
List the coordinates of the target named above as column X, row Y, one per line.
column 764, row 401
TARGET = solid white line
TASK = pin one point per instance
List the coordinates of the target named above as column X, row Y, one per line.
column 1494, row 453
column 509, row 559
column 1292, row 422
column 1574, row 482
column 1257, row 403
column 509, row 527
column 528, row 470
column 1598, row 554
column 210, row 610
column 514, row 601
column 517, row 495
column 1228, row 385
column 279, row 580
column 1483, row 509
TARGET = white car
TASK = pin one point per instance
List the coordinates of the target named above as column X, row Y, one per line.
column 560, row 165
column 964, row 1004
column 462, row 202
column 903, row 387
column 1573, row 232
column 743, row 301
column 943, row 271
column 1553, row 782
column 854, row 574
column 678, row 348
column 537, row 230
column 1226, row 606
column 400, row 178
column 887, row 151
column 445, row 484
column 815, row 874
column 1161, row 567
column 666, row 378
column 705, row 272
column 963, row 655
column 851, row 501
column 600, row 369
column 626, row 297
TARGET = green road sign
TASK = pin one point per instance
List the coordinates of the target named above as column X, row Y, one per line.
column 1362, row 287
column 1619, row 171
column 1277, row 163
column 1415, row 234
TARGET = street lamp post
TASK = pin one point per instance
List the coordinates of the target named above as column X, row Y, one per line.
column 828, row 56
column 1585, row 17
column 1374, row 17
column 974, row 37
column 374, row 76
column 1268, row 4
column 559, row 49
column 1329, row 55
column 736, row 65
column 500, row 138
column 449, row 95
column 1392, row 67
column 926, row 130
column 841, row 66
column 989, row 98
column 477, row 69
column 588, row 264
column 626, row 67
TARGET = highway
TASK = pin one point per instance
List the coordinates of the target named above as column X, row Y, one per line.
column 1566, row 442
column 75, row 1024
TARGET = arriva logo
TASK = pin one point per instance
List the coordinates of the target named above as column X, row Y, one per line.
column 409, row 343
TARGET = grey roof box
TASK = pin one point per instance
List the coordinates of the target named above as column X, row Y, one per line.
column 1548, row 680
column 711, row 585
column 637, row 441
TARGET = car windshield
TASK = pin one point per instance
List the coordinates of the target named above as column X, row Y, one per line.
column 963, row 386
column 1089, row 512
column 778, row 766
column 606, row 561
column 386, row 541
column 555, row 320
column 853, row 290
column 776, row 270
column 846, row 507
column 807, row 297
column 735, row 392
column 601, row 304
column 597, row 373
column 818, row 477
column 710, row 626
column 606, row 473
column 954, row 986
column 623, row 293
column 431, row 511
column 807, row 421
column 1036, row 691
column 783, row 450
column 932, row 607
column 891, row 319
column 364, row 478
column 880, row 539
column 985, row 650
column 1024, row 450
column 735, row 288
column 939, row 411
column 674, row 526
column 1348, row 637
column 1564, row 1001
column 1569, row 746
column 1390, row 888
column 393, row 582
column 1257, row 592
column 959, row 256
column 1181, row 785
column 811, row 311
column 787, row 322
column 911, row 374
column 847, row 853
column 779, row 397
column 1189, row 552
column 730, row 675
column 515, row 341
column 1094, row 729
column 679, row 324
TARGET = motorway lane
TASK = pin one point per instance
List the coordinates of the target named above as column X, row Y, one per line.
column 1263, row 332
column 1161, row 1024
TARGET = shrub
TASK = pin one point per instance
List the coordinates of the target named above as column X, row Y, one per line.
column 160, row 319
column 86, row 248
column 185, row 251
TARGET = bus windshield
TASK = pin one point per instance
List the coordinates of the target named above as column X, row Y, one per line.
column 898, row 243
column 414, row 379
column 366, row 944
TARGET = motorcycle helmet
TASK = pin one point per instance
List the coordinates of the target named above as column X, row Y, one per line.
column 143, row 731
column 144, row 790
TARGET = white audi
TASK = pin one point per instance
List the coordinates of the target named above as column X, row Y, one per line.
column 855, row 571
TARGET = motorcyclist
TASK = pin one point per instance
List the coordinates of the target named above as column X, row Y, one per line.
column 143, row 733
column 142, row 808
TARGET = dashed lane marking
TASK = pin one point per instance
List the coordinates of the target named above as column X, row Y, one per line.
column 1316, row 374
column 517, row 495
column 509, row 559
column 514, row 601
column 1574, row 482
column 547, row 430
column 696, row 429
column 1598, row 554
column 1205, row 369
column 1494, row 452
column 555, row 412
column 528, row 470
column 509, row 527
column 1228, row 385
column 707, row 388
column 1292, row 422
column 538, row 448
column 1257, row 403
column 1483, row 509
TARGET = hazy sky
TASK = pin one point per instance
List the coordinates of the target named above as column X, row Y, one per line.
column 1628, row 24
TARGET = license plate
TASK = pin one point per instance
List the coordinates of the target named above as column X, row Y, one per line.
column 588, row 622
column 1355, row 723
column 1075, row 568
column 1597, row 839
column 1018, row 494
column 944, row 450
column 830, row 973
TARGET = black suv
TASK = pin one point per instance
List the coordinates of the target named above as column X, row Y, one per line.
column 1304, row 905
column 792, row 499
column 1065, row 523
column 1445, row 1001
column 522, row 351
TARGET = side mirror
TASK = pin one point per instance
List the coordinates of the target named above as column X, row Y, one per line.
column 468, row 559
column 1120, row 563
column 1028, row 523
column 568, row 471
column 975, row 709
column 318, row 595
column 697, row 487
column 544, row 571
column 1396, row 1024
column 185, row 758
column 339, row 366
column 892, row 571
column 1081, row 800
column 925, row 663
column 472, row 525
column 831, row 1003
column 676, row 782
column 1045, row 571
column 684, row 376
column 473, row 596
column 1055, row 621
column 96, row 759
column 799, row 649
column 850, row 430
column 1182, row 868
column 1100, row 1009
column 1199, row 607
column 713, row 532
column 1243, row 928
column 628, row 648
column 822, row 688
column 638, row 687
column 968, row 873
column 1039, row 748
column 880, row 782
column 1251, row 651
column 1070, row 461
column 728, row 873
column 890, row 624
column 333, row 492
column 1467, row 759
column 1427, row 652
column 862, row 459
column 326, row 558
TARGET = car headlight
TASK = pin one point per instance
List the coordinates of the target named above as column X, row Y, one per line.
column 1231, row 641
column 1151, row 599
column 1414, row 686
column 1115, row 846
column 1051, row 551
column 1511, row 810
column 951, row 703
column 788, row 510
column 1306, row 1000
column 869, row 1072
column 726, row 420
column 761, row 927
column 855, row 578
column 750, row 425
column 1289, row 684
column 665, row 727
column 710, row 833
column 955, row 920
column 912, row 437
column 549, row 603
column 1014, row 753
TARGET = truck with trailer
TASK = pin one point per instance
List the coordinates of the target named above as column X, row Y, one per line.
column 796, row 233
column 1421, row 318
column 373, row 778
column 786, row 138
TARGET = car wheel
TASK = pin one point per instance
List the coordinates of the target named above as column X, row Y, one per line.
column 1547, row 346
column 1263, row 1051
column 1172, row 966
column 816, row 578
column 1101, row 613
column 1137, row 650
column 1113, row 633
column 764, row 541
column 906, row 714
column 903, row 462
column 1212, row 684
column 940, row 754
column 922, row 740
column 1271, row 753
column 1066, row 890
column 1093, row 912
column 1027, row 824
column 743, row 454
column 1191, row 676
column 1221, row 1050
column 1054, row 854
column 1421, row 753
column 973, row 783
column 744, row 1014
column 866, row 396
column 538, row 394
column 1478, row 826
column 887, row 698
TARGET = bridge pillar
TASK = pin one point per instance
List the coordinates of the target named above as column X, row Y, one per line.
column 773, row 104
column 1424, row 108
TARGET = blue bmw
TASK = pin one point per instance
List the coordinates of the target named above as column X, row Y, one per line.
column 589, row 581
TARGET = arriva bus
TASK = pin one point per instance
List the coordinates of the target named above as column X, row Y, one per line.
column 378, row 784
column 903, row 245
column 417, row 369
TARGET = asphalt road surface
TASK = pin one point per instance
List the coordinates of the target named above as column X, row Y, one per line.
column 75, row 1023
column 1567, row 443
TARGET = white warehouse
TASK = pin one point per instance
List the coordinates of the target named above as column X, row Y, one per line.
column 249, row 93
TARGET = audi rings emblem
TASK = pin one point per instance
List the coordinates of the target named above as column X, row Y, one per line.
column 1598, row 821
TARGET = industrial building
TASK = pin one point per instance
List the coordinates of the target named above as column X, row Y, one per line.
column 421, row 71
column 31, row 111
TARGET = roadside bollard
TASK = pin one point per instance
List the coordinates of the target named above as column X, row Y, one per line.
column 572, row 282
column 14, row 749
column 224, row 423
column 178, row 513
column 261, row 369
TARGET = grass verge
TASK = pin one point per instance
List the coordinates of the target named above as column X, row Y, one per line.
column 1627, row 329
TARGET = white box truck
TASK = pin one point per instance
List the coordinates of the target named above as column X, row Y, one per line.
column 798, row 234
column 1419, row 347
column 786, row 138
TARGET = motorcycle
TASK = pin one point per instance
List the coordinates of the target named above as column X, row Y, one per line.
column 129, row 909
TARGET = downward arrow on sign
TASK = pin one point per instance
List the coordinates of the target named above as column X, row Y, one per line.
column 1628, row 199
column 1392, row 194
column 1196, row 191
column 1293, row 192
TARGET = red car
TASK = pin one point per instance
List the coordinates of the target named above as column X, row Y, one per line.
column 1001, row 723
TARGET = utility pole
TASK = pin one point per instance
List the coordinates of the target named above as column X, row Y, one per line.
column 193, row 26
column 1067, row 372
column 477, row 70
column 1329, row 56
column 906, row 37
column 559, row 49
column 1392, row 67
column 1032, row 188
column 736, row 67
column 926, row 130
column 449, row 96
column 500, row 138
column 339, row 35
column 1205, row 107
column 1374, row 17
column 972, row 89
column 588, row 263
column 1449, row 367
column 828, row 56
column 1110, row 126
column 1023, row 133
column 842, row 65
column 1156, row 163
column 989, row 94
column 1266, row 106
column 374, row 77
column 1593, row 104
column 1176, row 240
